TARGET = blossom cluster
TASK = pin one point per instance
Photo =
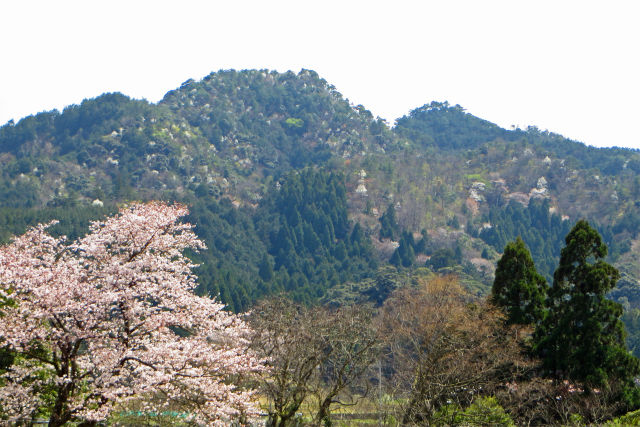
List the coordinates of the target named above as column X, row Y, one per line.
column 113, row 316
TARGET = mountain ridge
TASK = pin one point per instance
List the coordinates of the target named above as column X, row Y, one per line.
column 223, row 143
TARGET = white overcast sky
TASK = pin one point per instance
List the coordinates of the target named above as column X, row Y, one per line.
column 572, row 67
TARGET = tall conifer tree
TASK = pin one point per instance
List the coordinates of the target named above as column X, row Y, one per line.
column 582, row 338
column 389, row 228
column 518, row 287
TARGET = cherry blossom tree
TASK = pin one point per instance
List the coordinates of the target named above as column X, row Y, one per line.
column 113, row 317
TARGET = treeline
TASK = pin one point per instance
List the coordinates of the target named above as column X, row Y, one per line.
column 223, row 134
column 448, row 127
column 277, row 120
column 299, row 241
column 223, row 144
column 72, row 221
column 578, row 333
column 451, row 128
column 544, row 231
column 541, row 230
column 431, row 353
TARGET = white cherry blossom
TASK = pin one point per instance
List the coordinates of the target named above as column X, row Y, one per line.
column 113, row 317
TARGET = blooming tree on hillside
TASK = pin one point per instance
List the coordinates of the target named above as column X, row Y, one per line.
column 113, row 317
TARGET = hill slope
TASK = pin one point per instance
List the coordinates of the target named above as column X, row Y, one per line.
column 225, row 144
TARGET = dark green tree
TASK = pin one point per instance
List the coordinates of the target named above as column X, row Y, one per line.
column 265, row 268
column 404, row 255
column 582, row 337
column 442, row 258
column 421, row 246
column 389, row 228
column 395, row 259
column 518, row 288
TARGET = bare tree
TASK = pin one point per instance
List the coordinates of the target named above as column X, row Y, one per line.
column 445, row 348
column 352, row 347
column 284, row 335
column 312, row 352
column 543, row 401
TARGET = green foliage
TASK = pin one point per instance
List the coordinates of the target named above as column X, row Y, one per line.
column 294, row 126
column 373, row 290
column 576, row 420
column 234, row 134
column 629, row 419
column 277, row 120
column 261, row 159
column 265, row 268
column 72, row 222
column 294, row 123
column 305, row 227
column 484, row 411
column 299, row 241
column 229, row 125
column 421, row 245
column 229, row 267
column 540, row 230
column 6, row 356
column 487, row 412
column 607, row 162
column 443, row 258
column 518, row 288
column 451, row 128
column 448, row 127
column 404, row 255
column 389, row 228
column 631, row 319
column 629, row 221
column 582, row 337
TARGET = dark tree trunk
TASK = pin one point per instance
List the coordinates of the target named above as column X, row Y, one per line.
column 60, row 414
column 324, row 416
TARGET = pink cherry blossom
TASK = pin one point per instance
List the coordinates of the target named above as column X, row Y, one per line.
column 113, row 317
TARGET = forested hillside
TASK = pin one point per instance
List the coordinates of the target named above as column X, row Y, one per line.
column 289, row 184
column 440, row 271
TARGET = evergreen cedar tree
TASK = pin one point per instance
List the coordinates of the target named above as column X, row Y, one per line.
column 113, row 317
column 518, row 287
column 389, row 227
column 404, row 255
column 582, row 337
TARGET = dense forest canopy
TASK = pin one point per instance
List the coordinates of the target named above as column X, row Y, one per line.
column 289, row 184
column 372, row 236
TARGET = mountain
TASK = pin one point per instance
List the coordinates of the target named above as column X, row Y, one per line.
column 226, row 133
column 287, row 184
